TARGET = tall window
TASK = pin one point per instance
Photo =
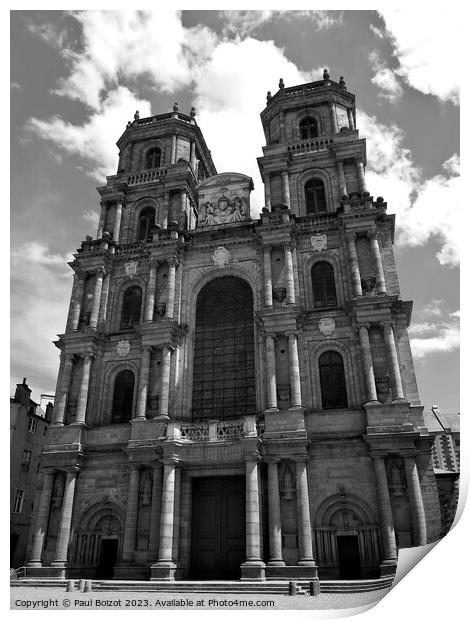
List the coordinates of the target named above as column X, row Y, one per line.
column 32, row 423
column 224, row 350
column 308, row 128
column 153, row 159
column 131, row 306
column 123, row 396
column 26, row 460
column 18, row 505
column 315, row 197
column 332, row 381
column 146, row 223
column 323, row 285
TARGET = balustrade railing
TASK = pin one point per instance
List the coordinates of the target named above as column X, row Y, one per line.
column 146, row 176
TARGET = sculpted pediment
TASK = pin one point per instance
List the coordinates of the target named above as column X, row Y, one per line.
column 224, row 199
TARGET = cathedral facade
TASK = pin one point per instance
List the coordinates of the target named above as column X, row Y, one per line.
column 236, row 396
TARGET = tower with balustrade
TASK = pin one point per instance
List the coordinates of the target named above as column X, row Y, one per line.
column 236, row 396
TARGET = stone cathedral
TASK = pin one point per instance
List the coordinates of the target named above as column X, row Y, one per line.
column 236, row 396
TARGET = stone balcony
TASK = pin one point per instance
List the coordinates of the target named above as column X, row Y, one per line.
column 212, row 430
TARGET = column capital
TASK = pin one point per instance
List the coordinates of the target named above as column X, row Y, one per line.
column 359, row 160
column 372, row 234
column 351, row 235
column 270, row 335
column 100, row 271
column 359, row 326
column 147, row 348
column 252, row 458
column 388, row 323
column 339, row 162
column 272, row 460
column 284, row 171
column 292, row 332
column 86, row 355
column 153, row 262
column 173, row 261
column 267, row 247
column 170, row 460
column 288, row 245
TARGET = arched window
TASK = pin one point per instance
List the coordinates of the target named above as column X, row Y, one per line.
column 332, row 381
column 131, row 306
column 308, row 128
column 123, row 397
column 146, row 223
column 323, row 285
column 153, row 159
column 315, row 197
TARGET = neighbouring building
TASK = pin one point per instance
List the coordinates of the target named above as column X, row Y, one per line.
column 28, row 431
column 236, row 395
column 445, row 429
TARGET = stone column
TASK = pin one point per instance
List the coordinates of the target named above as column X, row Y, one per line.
column 351, row 119
column 418, row 516
column 379, row 271
column 170, row 305
column 267, row 190
column 76, row 301
column 165, row 553
column 385, row 512
column 271, row 372
column 334, row 121
column 367, row 363
column 42, row 518
column 64, row 389
column 361, row 174
column 100, row 230
column 117, row 221
column 192, row 155
column 104, row 301
column 165, row 382
column 173, row 149
column 155, row 510
column 394, row 368
column 290, row 286
column 95, row 309
column 177, row 517
column 294, row 371
column 63, row 535
column 274, row 508
column 268, row 283
column 130, row 525
column 343, row 190
column 285, row 188
column 83, row 392
column 304, row 527
column 354, row 262
column 151, row 287
column 282, row 127
column 183, row 204
column 142, row 391
column 252, row 512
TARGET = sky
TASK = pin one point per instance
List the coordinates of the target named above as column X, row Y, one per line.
column 78, row 77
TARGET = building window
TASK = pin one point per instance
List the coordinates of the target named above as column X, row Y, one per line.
column 32, row 423
column 308, row 128
column 123, row 397
column 18, row 505
column 323, row 285
column 131, row 307
column 153, row 159
column 315, row 196
column 26, row 460
column 146, row 223
column 332, row 381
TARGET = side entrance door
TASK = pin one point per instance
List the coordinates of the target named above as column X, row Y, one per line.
column 349, row 557
column 218, row 527
column 108, row 558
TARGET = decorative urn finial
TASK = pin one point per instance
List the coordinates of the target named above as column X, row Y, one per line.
column 193, row 112
column 326, row 75
column 281, row 84
column 136, row 115
column 175, row 107
column 268, row 96
column 342, row 83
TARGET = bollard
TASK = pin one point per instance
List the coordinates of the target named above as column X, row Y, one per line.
column 314, row 587
column 81, row 585
column 292, row 588
column 88, row 587
column 70, row 586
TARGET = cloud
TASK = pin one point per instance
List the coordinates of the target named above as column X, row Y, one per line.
column 436, row 331
column 93, row 217
column 94, row 141
column 385, row 79
column 41, row 283
column 427, row 46
column 245, row 23
column 425, row 209
column 119, row 46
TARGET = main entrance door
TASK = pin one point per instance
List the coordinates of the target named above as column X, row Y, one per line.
column 349, row 557
column 108, row 558
column 218, row 527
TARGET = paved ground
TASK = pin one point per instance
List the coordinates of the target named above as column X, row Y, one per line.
column 56, row 598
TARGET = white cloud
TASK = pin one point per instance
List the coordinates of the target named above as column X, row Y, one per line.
column 425, row 209
column 95, row 140
column 385, row 79
column 245, row 23
column 41, row 284
column 92, row 217
column 436, row 330
column 427, row 46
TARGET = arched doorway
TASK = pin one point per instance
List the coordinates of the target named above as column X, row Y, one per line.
column 224, row 353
